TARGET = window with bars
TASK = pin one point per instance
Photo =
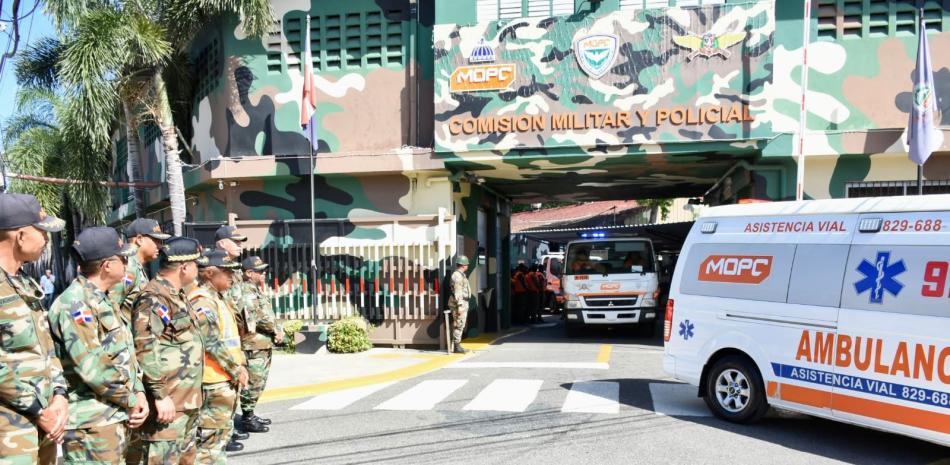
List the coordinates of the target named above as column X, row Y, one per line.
column 493, row 10
column 343, row 41
column 149, row 133
column 893, row 188
column 120, row 195
column 207, row 66
column 631, row 5
column 273, row 45
column 856, row 19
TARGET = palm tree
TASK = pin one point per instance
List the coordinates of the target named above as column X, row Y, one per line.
column 116, row 46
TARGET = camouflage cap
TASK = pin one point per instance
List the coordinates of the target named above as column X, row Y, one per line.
column 180, row 249
column 100, row 242
column 21, row 210
column 254, row 263
column 145, row 227
column 217, row 258
column 229, row 232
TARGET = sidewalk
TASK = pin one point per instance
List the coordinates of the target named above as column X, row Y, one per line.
column 302, row 375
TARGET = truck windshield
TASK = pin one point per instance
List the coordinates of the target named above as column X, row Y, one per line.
column 610, row 257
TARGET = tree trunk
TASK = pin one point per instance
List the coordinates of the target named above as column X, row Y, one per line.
column 132, row 159
column 166, row 124
column 654, row 212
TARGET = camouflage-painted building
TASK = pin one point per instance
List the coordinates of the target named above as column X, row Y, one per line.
column 435, row 115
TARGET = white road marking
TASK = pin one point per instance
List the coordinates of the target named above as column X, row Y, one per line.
column 677, row 400
column 424, row 395
column 506, row 395
column 593, row 397
column 562, row 365
column 340, row 399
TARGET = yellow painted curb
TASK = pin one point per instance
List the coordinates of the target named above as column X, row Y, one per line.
column 603, row 356
column 293, row 392
column 433, row 362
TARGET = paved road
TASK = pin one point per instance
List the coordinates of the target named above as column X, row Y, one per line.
column 543, row 398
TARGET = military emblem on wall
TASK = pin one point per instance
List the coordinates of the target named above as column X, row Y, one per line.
column 709, row 44
column 596, row 54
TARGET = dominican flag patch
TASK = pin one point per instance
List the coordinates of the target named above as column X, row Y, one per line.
column 129, row 279
column 162, row 312
column 206, row 312
column 82, row 315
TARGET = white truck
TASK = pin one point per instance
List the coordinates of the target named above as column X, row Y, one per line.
column 610, row 282
column 834, row 308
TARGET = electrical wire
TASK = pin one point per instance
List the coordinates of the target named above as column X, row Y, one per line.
column 21, row 18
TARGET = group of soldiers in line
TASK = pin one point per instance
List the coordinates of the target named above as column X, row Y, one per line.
column 123, row 369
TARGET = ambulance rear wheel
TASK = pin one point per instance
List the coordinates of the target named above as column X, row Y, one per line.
column 735, row 391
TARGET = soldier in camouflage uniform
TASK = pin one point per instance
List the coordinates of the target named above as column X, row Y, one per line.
column 106, row 395
column 225, row 367
column 147, row 237
column 33, row 405
column 170, row 353
column 458, row 302
column 230, row 240
column 259, row 345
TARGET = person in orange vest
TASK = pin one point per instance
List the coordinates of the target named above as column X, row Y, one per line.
column 518, row 293
column 536, row 277
column 533, row 300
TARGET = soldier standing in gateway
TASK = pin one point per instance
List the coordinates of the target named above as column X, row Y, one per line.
column 33, row 406
column 105, row 392
column 224, row 368
column 147, row 237
column 458, row 302
column 170, row 354
column 230, row 240
column 258, row 346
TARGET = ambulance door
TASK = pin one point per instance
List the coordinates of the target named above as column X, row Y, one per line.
column 893, row 326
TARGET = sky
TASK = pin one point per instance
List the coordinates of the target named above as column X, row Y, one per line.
column 32, row 28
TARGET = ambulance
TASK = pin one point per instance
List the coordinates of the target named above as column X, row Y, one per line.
column 834, row 308
column 610, row 282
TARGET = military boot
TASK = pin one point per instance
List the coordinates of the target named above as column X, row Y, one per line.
column 234, row 446
column 239, row 436
column 251, row 425
column 263, row 421
column 460, row 350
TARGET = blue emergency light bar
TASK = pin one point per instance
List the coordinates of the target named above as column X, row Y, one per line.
column 593, row 235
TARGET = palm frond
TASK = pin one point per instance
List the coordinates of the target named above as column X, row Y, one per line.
column 38, row 64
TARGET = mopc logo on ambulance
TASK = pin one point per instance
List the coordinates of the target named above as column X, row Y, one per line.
column 740, row 269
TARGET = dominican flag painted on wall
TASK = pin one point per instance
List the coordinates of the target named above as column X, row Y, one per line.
column 308, row 102
column 922, row 135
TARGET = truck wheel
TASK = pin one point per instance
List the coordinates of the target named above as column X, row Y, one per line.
column 734, row 390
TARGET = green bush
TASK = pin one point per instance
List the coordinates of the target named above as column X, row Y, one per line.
column 349, row 335
column 291, row 327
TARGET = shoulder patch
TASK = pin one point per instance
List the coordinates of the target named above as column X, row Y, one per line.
column 162, row 312
column 82, row 315
column 206, row 312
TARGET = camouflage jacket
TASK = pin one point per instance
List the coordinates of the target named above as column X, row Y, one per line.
column 210, row 306
column 124, row 293
column 168, row 345
column 236, row 299
column 97, row 354
column 29, row 369
column 460, row 289
column 259, row 306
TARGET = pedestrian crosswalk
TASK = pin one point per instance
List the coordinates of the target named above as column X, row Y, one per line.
column 504, row 395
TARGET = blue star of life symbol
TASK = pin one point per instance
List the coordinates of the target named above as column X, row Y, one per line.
column 686, row 329
column 880, row 276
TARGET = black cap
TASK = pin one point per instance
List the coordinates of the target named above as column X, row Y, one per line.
column 229, row 232
column 254, row 263
column 145, row 227
column 180, row 249
column 100, row 242
column 217, row 258
column 21, row 210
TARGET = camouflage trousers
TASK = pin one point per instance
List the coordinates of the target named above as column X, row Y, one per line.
column 103, row 445
column 216, row 422
column 258, row 367
column 22, row 443
column 459, row 317
column 157, row 444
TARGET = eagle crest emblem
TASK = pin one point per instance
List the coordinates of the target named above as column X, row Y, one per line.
column 709, row 44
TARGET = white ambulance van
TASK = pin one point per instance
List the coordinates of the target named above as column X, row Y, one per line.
column 610, row 282
column 834, row 308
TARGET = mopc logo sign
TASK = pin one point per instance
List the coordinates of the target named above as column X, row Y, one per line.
column 741, row 269
column 596, row 53
column 482, row 77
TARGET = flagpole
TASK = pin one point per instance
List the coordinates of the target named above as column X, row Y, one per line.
column 314, row 247
column 803, row 114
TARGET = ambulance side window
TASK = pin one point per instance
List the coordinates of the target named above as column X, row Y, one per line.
column 817, row 274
